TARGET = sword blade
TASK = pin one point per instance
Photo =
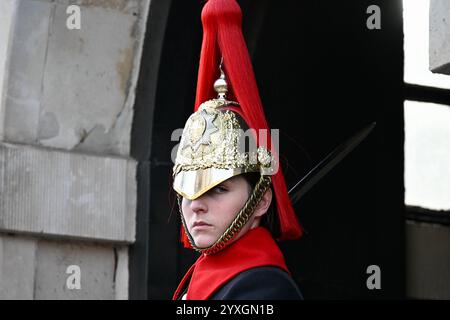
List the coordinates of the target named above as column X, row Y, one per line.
column 328, row 163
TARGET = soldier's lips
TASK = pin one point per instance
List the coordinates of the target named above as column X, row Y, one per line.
column 198, row 225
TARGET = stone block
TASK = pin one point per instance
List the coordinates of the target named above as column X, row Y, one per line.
column 440, row 36
column 74, row 88
column 17, row 262
column 122, row 274
column 54, row 268
column 7, row 14
column 59, row 193
column 27, row 60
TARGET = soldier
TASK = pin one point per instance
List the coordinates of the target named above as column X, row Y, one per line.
column 231, row 192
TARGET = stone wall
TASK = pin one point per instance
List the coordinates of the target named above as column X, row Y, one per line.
column 67, row 181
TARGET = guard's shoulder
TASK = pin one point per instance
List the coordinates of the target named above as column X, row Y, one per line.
column 261, row 283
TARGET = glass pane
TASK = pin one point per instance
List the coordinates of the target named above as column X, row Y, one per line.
column 416, row 35
column 427, row 155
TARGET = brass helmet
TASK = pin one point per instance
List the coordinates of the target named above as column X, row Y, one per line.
column 213, row 149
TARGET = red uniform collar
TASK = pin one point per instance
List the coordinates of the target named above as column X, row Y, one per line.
column 209, row 273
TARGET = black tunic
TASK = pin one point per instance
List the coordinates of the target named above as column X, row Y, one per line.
column 261, row 283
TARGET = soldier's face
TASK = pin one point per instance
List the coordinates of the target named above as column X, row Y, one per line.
column 208, row 216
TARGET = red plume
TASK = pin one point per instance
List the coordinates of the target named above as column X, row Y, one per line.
column 222, row 37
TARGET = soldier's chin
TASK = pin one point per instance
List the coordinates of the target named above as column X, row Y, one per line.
column 203, row 241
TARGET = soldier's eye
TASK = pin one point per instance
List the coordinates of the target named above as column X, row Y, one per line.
column 220, row 189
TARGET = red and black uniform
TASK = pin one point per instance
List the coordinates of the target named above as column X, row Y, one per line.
column 250, row 268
